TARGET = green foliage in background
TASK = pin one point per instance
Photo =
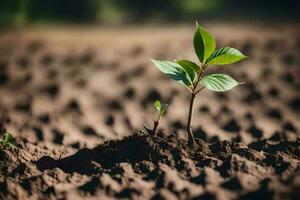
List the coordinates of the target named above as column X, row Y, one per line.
column 108, row 11
column 63, row 10
column 11, row 11
column 118, row 11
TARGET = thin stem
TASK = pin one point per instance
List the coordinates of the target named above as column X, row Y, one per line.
column 202, row 68
column 156, row 122
column 191, row 139
column 199, row 90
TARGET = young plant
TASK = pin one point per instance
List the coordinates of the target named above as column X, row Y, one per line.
column 6, row 141
column 161, row 108
column 191, row 75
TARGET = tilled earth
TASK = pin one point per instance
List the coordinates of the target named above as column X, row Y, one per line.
column 75, row 100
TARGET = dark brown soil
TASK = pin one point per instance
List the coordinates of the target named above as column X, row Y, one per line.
column 75, row 102
column 162, row 166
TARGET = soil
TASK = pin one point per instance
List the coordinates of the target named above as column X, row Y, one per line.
column 75, row 100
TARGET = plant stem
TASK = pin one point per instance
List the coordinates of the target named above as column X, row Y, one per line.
column 191, row 139
column 194, row 92
column 156, row 122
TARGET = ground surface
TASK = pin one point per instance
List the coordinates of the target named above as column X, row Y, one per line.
column 64, row 91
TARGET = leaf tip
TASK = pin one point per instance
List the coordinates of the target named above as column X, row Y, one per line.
column 244, row 56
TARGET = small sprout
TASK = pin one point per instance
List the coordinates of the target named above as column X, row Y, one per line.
column 161, row 108
column 192, row 76
column 6, row 141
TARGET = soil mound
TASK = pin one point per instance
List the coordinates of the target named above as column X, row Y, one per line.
column 161, row 167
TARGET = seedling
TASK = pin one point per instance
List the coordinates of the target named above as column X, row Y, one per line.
column 6, row 141
column 161, row 108
column 191, row 75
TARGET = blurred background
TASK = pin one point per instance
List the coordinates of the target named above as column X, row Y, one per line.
column 20, row 12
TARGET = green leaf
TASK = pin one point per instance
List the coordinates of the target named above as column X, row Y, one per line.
column 174, row 71
column 204, row 43
column 157, row 105
column 190, row 67
column 7, row 138
column 163, row 109
column 225, row 56
column 219, row 82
